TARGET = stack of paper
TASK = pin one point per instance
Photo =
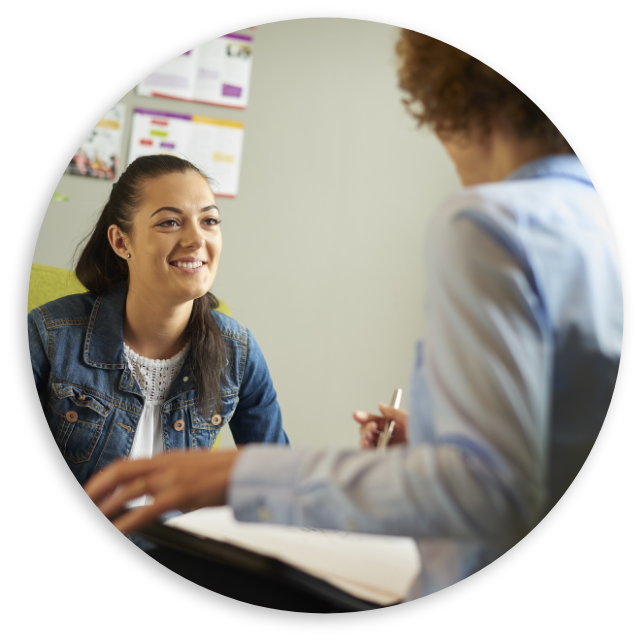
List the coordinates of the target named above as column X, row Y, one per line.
column 379, row 569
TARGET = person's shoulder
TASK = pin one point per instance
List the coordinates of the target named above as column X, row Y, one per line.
column 487, row 207
column 75, row 308
column 229, row 327
column 547, row 190
column 472, row 214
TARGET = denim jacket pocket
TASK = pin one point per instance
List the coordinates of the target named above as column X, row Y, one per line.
column 205, row 429
column 79, row 414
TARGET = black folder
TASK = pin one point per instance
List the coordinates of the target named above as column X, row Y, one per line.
column 245, row 575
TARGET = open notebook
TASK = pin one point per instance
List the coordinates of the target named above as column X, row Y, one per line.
column 379, row 569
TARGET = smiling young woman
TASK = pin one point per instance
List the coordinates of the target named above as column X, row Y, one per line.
column 143, row 363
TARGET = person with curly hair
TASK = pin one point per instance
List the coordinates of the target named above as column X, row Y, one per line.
column 513, row 375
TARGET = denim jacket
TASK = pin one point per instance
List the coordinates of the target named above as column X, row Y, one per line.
column 92, row 401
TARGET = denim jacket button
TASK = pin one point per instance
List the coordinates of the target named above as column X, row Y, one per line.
column 179, row 426
column 216, row 419
column 72, row 417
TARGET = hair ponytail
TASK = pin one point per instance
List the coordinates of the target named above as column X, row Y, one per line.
column 99, row 268
column 208, row 354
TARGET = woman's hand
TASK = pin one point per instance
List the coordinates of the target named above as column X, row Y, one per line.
column 371, row 426
column 177, row 480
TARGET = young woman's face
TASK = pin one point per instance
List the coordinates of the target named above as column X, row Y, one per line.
column 176, row 241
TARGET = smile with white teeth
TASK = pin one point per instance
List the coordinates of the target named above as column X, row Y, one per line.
column 195, row 265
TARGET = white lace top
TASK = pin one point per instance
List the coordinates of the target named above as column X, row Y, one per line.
column 154, row 378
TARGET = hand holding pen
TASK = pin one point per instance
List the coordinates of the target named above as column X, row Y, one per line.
column 372, row 426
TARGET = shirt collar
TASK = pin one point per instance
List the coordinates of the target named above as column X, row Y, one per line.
column 558, row 166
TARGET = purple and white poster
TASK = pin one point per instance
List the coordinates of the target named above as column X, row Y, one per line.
column 216, row 73
column 212, row 144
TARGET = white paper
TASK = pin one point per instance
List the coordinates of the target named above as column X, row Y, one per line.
column 213, row 145
column 376, row 568
column 216, row 73
column 99, row 155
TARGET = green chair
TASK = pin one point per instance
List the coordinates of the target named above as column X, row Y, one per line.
column 48, row 283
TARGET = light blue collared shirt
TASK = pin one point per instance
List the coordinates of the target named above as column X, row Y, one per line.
column 511, row 383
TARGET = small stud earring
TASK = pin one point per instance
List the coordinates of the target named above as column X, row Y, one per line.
column 128, row 256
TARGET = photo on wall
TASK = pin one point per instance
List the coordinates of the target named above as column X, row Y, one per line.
column 99, row 154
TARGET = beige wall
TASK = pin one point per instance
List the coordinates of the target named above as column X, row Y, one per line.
column 322, row 248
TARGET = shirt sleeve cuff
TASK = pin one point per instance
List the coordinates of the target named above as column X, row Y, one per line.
column 262, row 485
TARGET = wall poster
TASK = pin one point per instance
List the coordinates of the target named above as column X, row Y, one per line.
column 212, row 144
column 216, row 73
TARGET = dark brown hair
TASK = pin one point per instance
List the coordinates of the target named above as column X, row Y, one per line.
column 456, row 92
column 99, row 268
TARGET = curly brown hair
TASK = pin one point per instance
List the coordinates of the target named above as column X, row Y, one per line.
column 456, row 92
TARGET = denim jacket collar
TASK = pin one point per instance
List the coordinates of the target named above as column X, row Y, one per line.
column 104, row 344
column 104, row 341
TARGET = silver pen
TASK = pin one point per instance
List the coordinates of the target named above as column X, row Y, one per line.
column 388, row 428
